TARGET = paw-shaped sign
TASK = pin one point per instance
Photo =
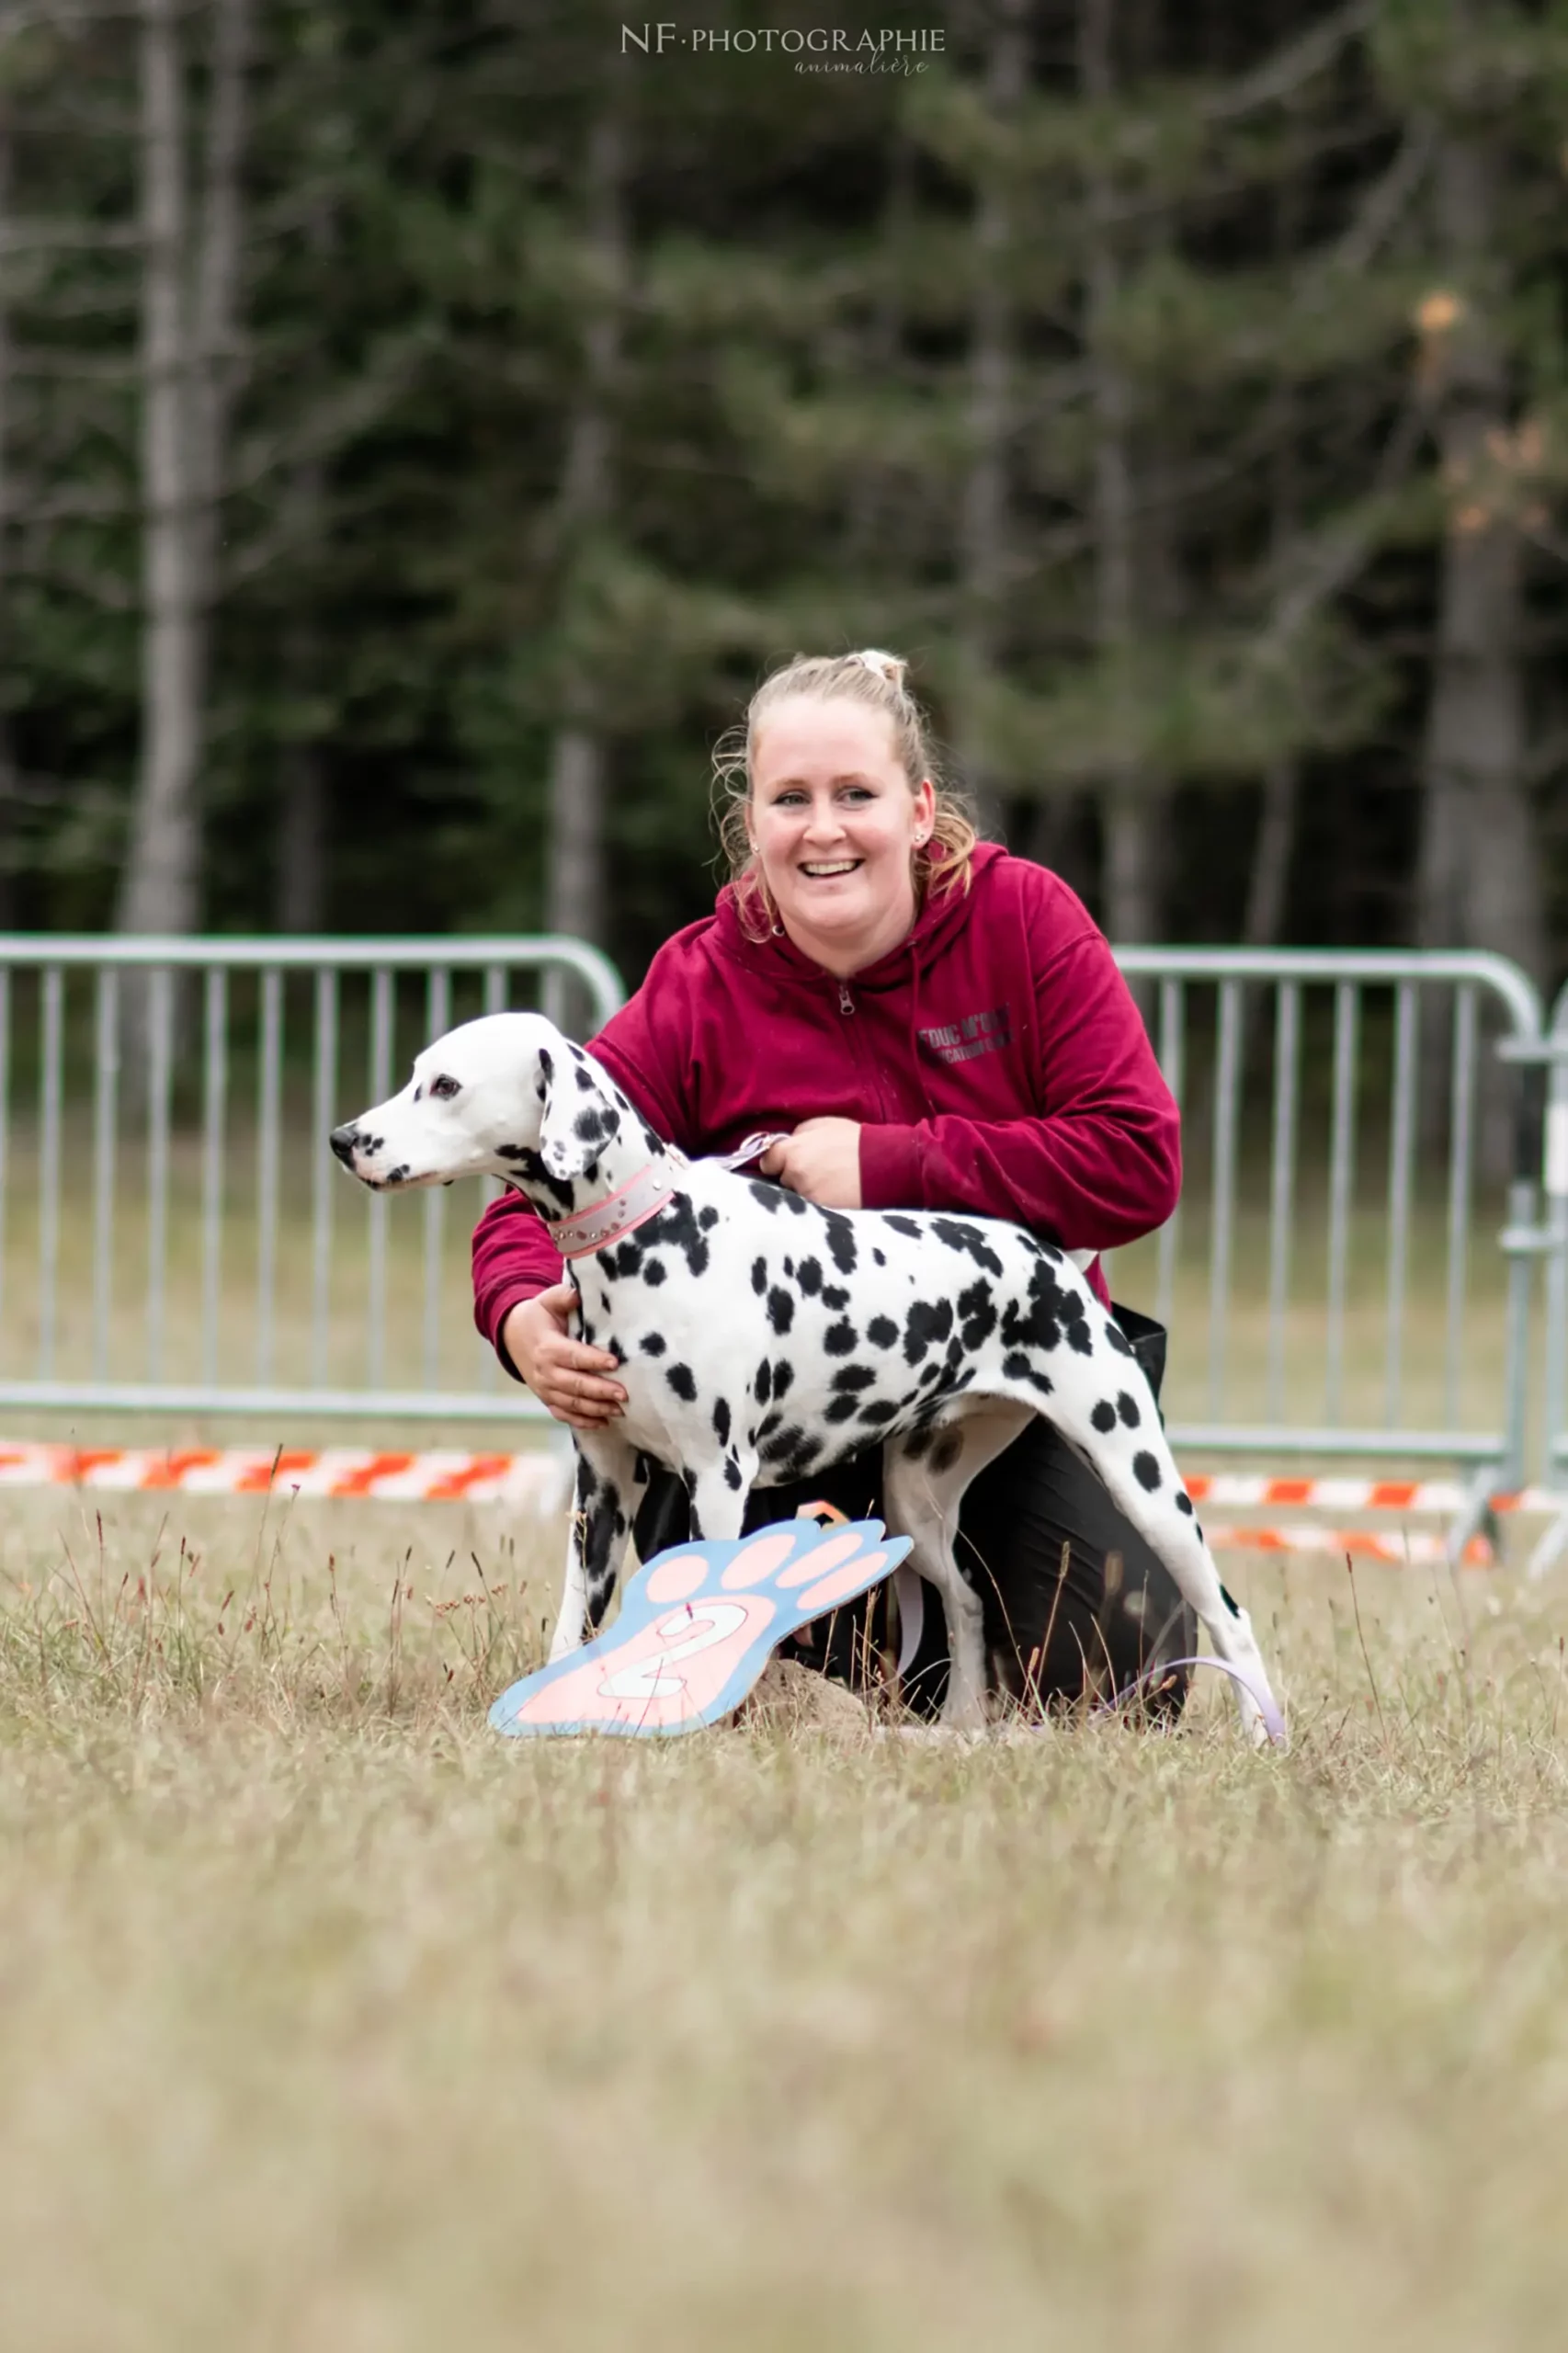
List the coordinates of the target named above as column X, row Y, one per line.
column 696, row 1629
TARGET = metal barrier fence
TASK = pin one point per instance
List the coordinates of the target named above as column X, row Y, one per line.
column 1555, row 1386
column 1258, row 1115
column 194, row 1248
column 164, row 1111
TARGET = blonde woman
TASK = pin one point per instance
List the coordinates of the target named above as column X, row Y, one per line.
column 936, row 1025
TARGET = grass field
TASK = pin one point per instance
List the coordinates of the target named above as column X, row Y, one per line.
column 330, row 2021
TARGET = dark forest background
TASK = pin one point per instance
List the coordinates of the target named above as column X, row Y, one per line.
column 421, row 425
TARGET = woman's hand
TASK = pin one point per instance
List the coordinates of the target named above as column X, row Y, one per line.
column 565, row 1375
column 821, row 1160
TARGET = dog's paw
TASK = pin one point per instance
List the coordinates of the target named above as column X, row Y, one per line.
column 696, row 1628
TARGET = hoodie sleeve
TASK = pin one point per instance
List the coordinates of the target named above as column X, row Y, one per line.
column 513, row 1256
column 1099, row 1162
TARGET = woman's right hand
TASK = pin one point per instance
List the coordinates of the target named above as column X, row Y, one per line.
column 565, row 1375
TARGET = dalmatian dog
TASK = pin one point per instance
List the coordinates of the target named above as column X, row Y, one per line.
column 761, row 1338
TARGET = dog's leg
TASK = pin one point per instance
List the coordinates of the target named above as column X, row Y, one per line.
column 718, row 1493
column 607, row 1489
column 923, row 1479
column 1122, row 1440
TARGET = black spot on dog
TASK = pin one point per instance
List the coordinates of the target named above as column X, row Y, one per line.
column 683, row 1381
column 946, row 1450
column 879, row 1257
column 810, row 1277
column 768, row 1196
column 588, row 1480
column 793, row 1201
column 881, row 1410
column 527, row 1161
column 1127, row 1408
column 853, row 1376
column 721, row 1420
column 1183, row 1504
column 969, row 1240
column 1146, row 1471
column 925, row 1326
column 780, row 1309
column 977, row 1316
column 674, row 1227
column 762, row 1387
column 594, row 1125
column 759, row 1276
column 907, row 1226
column 841, row 1409
column 834, row 1295
column 881, row 1331
column 783, row 1378
column 1049, row 1312
column 1230, row 1605
column 652, row 1344
column 583, row 1076
column 766, row 1427
column 1117, row 1338
column 624, row 1258
column 1104, row 1418
column 841, row 1243
column 707, row 1219
column 654, row 1273
column 732, row 1472
column 840, row 1338
column 785, row 1441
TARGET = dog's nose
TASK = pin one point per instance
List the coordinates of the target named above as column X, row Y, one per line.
column 343, row 1142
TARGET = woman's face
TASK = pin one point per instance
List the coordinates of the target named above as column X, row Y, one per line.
column 835, row 823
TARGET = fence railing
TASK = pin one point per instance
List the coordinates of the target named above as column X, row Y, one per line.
column 174, row 1235
column 1293, row 1068
column 1555, row 1384
column 164, row 1111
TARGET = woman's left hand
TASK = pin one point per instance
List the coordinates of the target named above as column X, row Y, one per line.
column 821, row 1160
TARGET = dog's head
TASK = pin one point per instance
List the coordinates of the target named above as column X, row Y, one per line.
column 506, row 1096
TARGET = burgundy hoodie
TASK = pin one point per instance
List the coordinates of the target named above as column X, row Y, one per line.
column 996, row 1057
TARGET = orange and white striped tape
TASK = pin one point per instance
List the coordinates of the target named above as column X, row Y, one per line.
column 1248, row 1491
column 540, row 1481
column 1404, row 1550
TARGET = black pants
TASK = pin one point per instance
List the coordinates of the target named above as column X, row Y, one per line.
column 1076, row 1603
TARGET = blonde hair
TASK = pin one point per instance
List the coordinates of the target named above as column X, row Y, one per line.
column 941, row 863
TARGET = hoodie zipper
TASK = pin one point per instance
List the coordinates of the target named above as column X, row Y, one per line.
column 845, row 1001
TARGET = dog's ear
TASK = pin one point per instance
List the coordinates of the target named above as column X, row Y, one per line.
column 579, row 1116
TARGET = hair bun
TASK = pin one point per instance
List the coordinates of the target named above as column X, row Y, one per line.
column 891, row 667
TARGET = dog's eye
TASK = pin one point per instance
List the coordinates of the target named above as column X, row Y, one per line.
column 445, row 1088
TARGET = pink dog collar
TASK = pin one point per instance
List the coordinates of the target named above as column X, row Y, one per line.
column 590, row 1230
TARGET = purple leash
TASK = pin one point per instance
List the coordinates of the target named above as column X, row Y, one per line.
column 1273, row 1721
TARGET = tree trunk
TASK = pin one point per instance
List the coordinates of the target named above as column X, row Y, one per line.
column 1131, row 856
column 161, row 881
column 1480, row 878
column 8, row 767
column 575, row 894
column 188, row 374
column 983, row 524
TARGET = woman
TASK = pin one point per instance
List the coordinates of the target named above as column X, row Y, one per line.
column 936, row 1025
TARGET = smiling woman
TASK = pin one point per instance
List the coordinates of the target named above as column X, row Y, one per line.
column 927, row 1023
